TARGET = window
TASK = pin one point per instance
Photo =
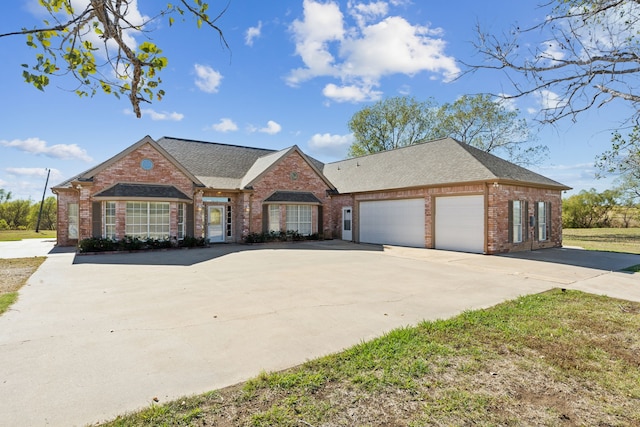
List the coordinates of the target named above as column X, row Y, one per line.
column 181, row 220
column 517, row 221
column 147, row 220
column 299, row 219
column 542, row 221
column 109, row 220
column 274, row 218
column 228, row 223
column 72, row 216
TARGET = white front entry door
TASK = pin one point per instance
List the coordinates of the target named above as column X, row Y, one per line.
column 215, row 223
column 347, row 223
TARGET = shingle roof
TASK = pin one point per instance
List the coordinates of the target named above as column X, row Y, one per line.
column 293, row 197
column 436, row 162
column 216, row 165
column 143, row 191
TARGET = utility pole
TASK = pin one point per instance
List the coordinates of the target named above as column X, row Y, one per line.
column 42, row 202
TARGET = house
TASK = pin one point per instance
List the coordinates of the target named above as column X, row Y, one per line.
column 440, row 194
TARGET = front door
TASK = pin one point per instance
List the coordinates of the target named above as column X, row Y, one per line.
column 347, row 224
column 215, row 223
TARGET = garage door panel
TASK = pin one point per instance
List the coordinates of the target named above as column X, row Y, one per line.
column 393, row 222
column 459, row 223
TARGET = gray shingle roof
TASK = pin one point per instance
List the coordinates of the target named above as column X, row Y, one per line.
column 436, row 162
column 216, row 165
column 144, row 190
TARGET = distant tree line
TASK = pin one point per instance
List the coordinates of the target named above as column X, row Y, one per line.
column 21, row 214
column 617, row 207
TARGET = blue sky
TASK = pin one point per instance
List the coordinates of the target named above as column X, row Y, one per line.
column 296, row 71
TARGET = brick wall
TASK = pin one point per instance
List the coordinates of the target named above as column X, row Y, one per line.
column 64, row 198
column 497, row 215
column 279, row 178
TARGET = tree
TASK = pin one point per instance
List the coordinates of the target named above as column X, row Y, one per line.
column 5, row 196
column 624, row 159
column 475, row 120
column 490, row 126
column 585, row 53
column 94, row 44
column 589, row 209
column 16, row 213
column 48, row 219
column 391, row 123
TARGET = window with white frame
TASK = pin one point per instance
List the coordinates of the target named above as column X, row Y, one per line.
column 517, row 221
column 147, row 220
column 274, row 218
column 181, row 220
column 110, row 220
column 542, row 221
column 299, row 219
column 73, row 219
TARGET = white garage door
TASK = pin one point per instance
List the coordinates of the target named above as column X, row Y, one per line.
column 460, row 223
column 393, row 222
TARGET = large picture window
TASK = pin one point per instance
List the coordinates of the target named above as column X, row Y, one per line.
column 148, row 220
column 110, row 220
column 299, row 219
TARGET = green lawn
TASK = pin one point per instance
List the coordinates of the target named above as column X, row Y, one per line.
column 603, row 239
column 13, row 235
column 558, row 358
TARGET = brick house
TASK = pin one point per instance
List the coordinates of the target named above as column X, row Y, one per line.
column 441, row 194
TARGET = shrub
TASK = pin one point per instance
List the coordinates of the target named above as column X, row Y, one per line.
column 279, row 236
column 192, row 242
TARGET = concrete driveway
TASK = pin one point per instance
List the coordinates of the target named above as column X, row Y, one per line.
column 95, row 336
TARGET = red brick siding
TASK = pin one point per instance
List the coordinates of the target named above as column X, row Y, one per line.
column 278, row 178
column 64, row 198
column 498, row 218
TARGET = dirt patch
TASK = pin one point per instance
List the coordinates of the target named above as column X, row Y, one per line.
column 15, row 272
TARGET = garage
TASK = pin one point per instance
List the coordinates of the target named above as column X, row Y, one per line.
column 459, row 223
column 393, row 222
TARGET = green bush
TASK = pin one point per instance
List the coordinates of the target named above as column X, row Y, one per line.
column 279, row 236
column 3, row 224
column 129, row 243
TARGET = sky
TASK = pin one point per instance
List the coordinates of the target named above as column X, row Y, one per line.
column 295, row 72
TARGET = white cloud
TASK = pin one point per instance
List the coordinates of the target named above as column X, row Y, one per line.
column 253, row 33
column 330, row 145
column 58, row 151
column 163, row 116
column 360, row 55
column 506, row 101
column 207, row 79
column 34, row 172
column 351, row 93
column 364, row 13
column 549, row 100
column 225, row 125
column 552, row 52
column 272, row 128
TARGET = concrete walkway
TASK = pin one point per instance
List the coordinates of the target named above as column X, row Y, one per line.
column 92, row 337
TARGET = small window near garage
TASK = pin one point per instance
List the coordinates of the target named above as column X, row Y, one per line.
column 110, row 220
column 517, row 221
column 543, row 218
column 73, row 219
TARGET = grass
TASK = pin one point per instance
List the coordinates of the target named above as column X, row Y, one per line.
column 557, row 358
column 603, row 239
column 13, row 235
column 14, row 273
